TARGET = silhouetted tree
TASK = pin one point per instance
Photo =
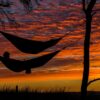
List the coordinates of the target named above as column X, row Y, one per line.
column 7, row 4
column 90, row 82
column 28, row 4
column 88, row 10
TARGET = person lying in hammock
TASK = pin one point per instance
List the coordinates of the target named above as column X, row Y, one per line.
column 27, row 65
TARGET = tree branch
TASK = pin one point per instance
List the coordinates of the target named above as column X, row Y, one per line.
column 91, row 5
column 90, row 82
column 84, row 5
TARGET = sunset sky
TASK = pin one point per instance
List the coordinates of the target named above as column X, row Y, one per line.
column 48, row 21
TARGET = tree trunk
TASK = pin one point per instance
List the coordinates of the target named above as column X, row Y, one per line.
column 86, row 56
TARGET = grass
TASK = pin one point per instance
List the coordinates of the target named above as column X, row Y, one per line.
column 8, row 94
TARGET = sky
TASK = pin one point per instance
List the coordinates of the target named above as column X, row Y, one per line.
column 48, row 21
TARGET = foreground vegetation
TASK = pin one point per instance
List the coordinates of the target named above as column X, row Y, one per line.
column 36, row 95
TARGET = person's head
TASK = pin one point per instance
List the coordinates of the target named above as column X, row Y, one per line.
column 6, row 54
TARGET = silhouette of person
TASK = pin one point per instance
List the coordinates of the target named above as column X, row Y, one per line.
column 6, row 55
column 27, row 65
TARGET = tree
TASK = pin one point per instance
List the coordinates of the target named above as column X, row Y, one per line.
column 88, row 10
column 27, row 4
